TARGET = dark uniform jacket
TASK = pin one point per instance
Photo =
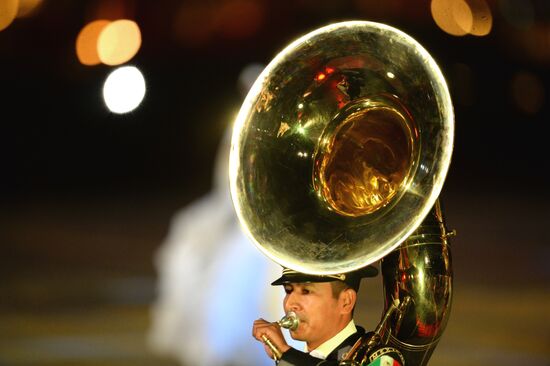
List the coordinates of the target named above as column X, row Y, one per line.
column 293, row 357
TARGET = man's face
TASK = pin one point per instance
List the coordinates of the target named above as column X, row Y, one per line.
column 319, row 312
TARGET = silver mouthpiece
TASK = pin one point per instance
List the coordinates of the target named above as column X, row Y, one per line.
column 289, row 321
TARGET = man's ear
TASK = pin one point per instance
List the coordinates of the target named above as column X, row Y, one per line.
column 348, row 297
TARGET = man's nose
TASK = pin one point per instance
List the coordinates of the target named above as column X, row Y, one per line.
column 292, row 303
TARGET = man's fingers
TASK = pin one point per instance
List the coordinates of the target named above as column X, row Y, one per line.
column 263, row 327
column 271, row 336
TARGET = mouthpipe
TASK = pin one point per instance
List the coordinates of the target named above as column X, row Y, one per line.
column 277, row 354
column 289, row 321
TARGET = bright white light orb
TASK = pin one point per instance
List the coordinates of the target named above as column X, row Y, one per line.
column 124, row 89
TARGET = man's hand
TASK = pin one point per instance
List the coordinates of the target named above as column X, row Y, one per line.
column 273, row 332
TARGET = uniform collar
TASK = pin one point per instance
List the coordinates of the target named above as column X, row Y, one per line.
column 326, row 348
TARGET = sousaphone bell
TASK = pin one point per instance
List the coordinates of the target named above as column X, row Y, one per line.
column 339, row 153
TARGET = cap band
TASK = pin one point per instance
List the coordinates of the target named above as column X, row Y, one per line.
column 291, row 272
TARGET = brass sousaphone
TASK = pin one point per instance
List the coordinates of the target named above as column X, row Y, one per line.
column 338, row 156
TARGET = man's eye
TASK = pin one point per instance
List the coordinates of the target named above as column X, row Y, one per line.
column 288, row 290
column 305, row 291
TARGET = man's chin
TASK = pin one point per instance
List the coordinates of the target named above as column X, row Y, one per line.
column 297, row 336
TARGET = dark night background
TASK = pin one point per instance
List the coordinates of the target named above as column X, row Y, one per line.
column 87, row 195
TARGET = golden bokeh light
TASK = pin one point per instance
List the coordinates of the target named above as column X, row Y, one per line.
column 461, row 17
column 86, row 42
column 482, row 17
column 240, row 18
column 462, row 14
column 119, row 42
column 520, row 15
column 452, row 16
column 8, row 11
column 527, row 92
column 27, row 7
column 194, row 23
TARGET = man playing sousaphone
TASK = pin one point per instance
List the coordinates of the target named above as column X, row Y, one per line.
column 338, row 156
column 324, row 306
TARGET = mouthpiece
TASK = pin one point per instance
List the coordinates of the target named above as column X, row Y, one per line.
column 289, row 321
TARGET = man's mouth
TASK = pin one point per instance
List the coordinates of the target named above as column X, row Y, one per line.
column 300, row 324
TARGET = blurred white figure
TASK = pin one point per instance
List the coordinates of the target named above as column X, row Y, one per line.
column 213, row 283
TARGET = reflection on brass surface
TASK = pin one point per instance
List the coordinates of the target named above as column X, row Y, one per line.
column 366, row 159
column 417, row 279
column 420, row 269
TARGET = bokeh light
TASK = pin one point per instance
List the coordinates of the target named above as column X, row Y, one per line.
column 536, row 41
column 27, row 7
column 238, row 19
column 119, row 42
column 519, row 14
column 199, row 23
column 248, row 75
column 527, row 92
column 8, row 11
column 124, row 89
column 461, row 17
column 482, row 21
column 194, row 24
column 86, row 42
column 452, row 16
column 462, row 84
